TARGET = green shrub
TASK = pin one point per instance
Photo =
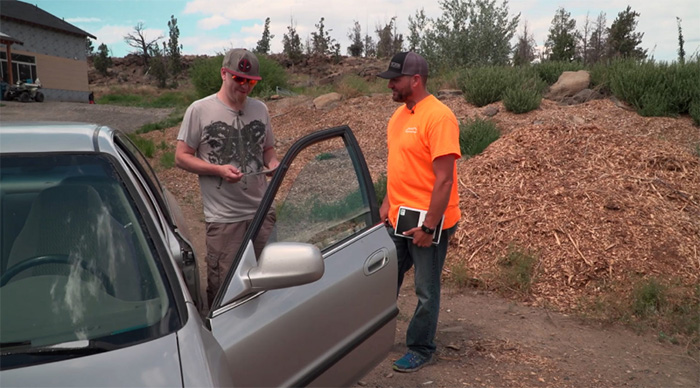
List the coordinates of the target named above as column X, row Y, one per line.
column 549, row 71
column 476, row 134
column 648, row 298
column 167, row 160
column 656, row 89
column 526, row 94
column 448, row 79
column 485, row 85
column 599, row 77
column 273, row 76
column 146, row 146
column 694, row 111
column 205, row 76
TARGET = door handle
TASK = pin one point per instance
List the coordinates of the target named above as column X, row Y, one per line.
column 376, row 261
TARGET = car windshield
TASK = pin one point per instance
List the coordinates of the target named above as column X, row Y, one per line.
column 78, row 267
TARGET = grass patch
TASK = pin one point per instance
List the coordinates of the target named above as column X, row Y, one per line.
column 516, row 271
column 167, row 159
column 669, row 308
column 476, row 134
column 171, row 121
column 460, row 277
column 146, row 146
column 169, row 99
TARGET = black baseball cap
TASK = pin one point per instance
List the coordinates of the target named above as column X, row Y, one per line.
column 405, row 63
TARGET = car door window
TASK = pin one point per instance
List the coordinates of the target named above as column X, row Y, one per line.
column 322, row 202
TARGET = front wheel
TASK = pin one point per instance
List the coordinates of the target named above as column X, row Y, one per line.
column 24, row 97
column 39, row 97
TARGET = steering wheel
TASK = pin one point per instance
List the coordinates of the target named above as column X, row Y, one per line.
column 56, row 259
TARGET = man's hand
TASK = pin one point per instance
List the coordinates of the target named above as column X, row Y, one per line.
column 274, row 163
column 420, row 238
column 230, row 173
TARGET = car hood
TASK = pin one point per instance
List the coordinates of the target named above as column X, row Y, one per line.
column 153, row 363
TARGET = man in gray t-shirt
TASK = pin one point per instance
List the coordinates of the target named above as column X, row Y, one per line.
column 227, row 139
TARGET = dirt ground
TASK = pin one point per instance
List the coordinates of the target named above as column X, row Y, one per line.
column 483, row 339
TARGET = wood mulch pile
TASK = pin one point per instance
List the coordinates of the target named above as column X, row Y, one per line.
column 600, row 195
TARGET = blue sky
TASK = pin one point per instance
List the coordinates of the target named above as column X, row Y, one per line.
column 212, row 26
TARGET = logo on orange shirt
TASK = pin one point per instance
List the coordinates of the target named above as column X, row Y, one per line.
column 411, row 130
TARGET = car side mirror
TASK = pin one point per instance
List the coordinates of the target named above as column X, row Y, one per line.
column 286, row 264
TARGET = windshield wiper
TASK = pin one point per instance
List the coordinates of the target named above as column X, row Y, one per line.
column 79, row 347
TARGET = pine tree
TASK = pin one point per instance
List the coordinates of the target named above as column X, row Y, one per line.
column 291, row 42
column 89, row 48
column 622, row 40
column 561, row 41
column 102, row 60
column 263, row 46
column 174, row 49
column 681, row 50
column 355, row 35
column 389, row 41
column 321, row 41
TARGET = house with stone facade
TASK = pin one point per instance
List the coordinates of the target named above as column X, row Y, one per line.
column 35, row 44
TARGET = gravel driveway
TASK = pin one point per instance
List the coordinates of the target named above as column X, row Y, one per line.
column 126, row 119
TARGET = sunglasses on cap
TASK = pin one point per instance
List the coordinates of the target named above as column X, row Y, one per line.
column 241, row 80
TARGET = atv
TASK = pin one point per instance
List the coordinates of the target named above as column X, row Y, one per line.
column 24, row 92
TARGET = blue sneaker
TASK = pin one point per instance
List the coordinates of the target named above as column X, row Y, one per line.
column 411, row 362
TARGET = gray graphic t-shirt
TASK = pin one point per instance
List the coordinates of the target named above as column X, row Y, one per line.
column 224, row 136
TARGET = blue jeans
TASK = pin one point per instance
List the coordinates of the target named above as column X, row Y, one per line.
column 428, row 263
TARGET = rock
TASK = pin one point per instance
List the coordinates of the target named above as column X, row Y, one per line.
column 586, row 95
column 448, row 93
column 490, row 111
column 569, row 84
column 327, row 101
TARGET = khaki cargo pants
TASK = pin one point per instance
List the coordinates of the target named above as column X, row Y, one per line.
column 223, row 241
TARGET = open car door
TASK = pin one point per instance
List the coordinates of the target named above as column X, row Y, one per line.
column 318, row 307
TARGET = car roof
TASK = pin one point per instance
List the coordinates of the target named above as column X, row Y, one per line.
column 54, row 137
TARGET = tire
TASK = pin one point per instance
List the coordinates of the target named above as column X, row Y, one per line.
column 39, row 97
column 7, row 96
column 24, row 97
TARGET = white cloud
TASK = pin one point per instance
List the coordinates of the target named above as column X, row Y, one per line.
column 213, row 22
column 112, row 34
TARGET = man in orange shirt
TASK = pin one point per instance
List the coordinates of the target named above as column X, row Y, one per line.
column 423, row 144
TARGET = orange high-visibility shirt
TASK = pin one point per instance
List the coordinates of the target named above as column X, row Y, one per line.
column 415, row 138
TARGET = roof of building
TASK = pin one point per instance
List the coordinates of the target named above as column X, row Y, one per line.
column 28, row 13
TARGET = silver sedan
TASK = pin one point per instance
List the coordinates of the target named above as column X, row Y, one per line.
column 99, row 283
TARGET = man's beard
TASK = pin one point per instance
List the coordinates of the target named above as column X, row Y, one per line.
column 400, row 95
